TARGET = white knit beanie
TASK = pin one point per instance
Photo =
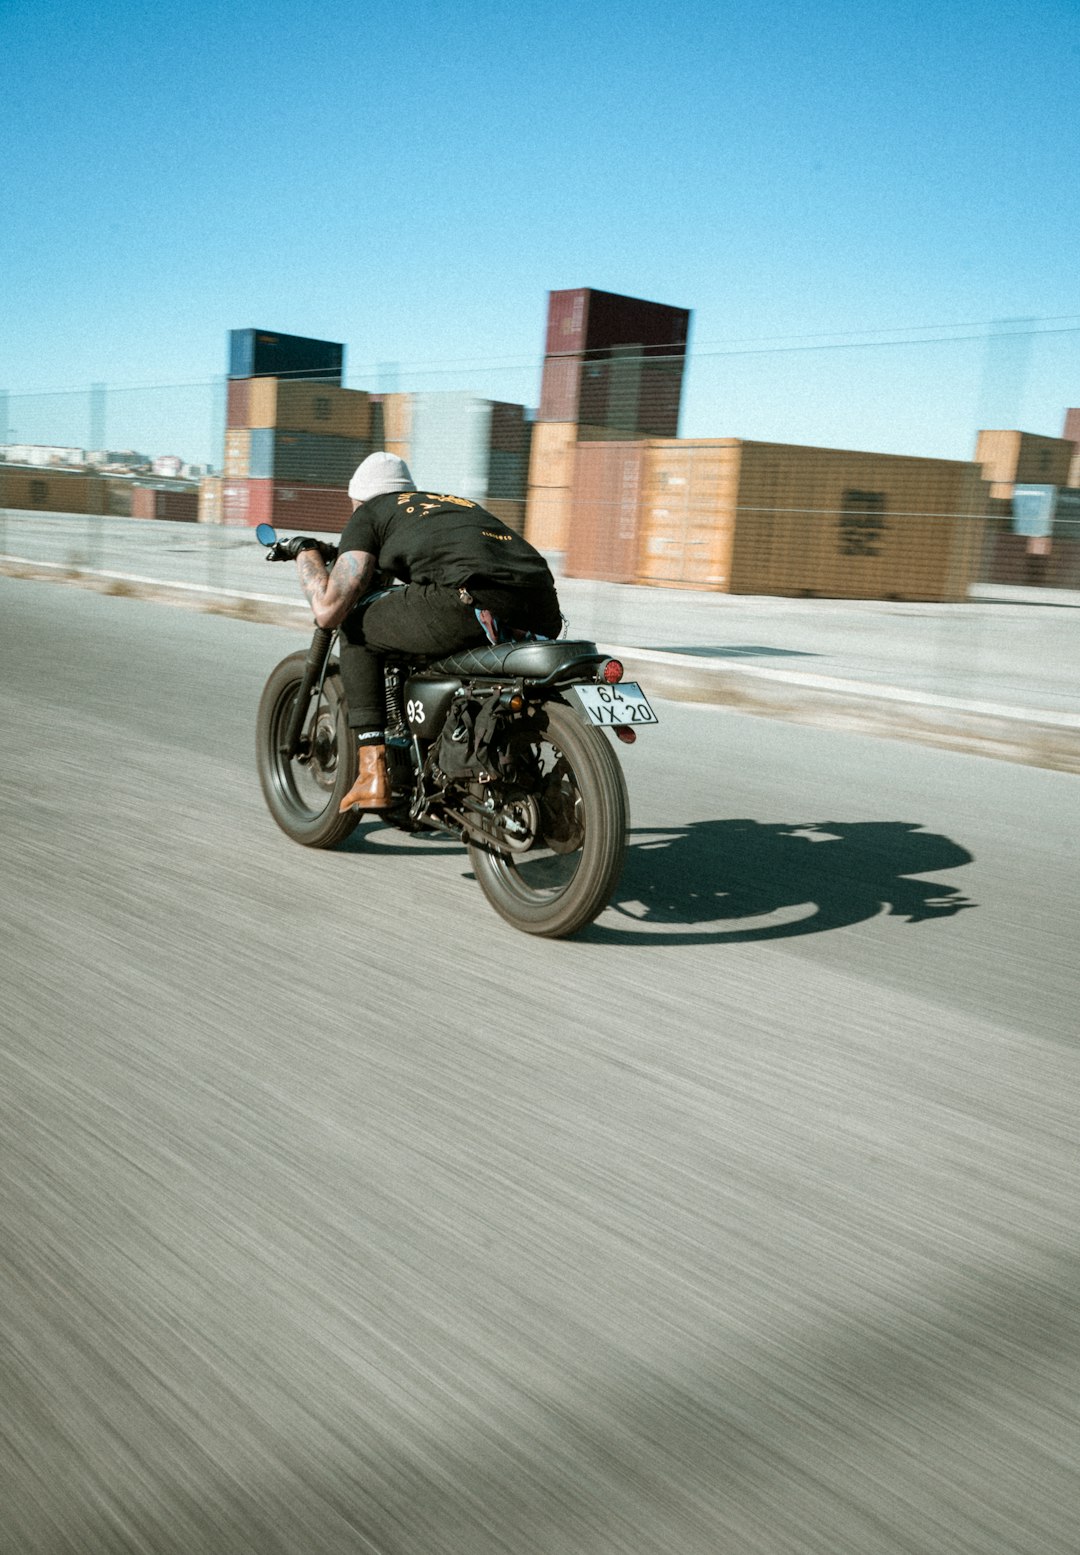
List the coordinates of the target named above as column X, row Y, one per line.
column 380, row 473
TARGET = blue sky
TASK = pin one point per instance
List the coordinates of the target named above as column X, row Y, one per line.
column 846, row 196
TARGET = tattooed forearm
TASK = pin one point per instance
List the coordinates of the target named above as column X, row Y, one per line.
column 312, row 570
column 332, row 595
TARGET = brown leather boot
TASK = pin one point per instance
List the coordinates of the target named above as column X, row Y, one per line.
column 371, row 791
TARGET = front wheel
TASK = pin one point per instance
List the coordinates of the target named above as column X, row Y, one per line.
column 569, row 816
column 303, row 794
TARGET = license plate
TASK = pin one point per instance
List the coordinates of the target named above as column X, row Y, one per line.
column 625, row 703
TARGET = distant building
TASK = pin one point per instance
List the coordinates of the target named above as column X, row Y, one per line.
column 168, row 464
column 43, row 456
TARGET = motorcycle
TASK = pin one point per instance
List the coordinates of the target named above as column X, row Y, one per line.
column 501, row 746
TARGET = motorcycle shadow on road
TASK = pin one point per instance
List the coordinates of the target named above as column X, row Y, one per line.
column 751, row 881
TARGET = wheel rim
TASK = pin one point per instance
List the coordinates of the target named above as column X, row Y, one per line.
column 304, row 787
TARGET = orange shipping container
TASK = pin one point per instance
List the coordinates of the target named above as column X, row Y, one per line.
column 551, row 458
column 688, row 512
column 547, row 517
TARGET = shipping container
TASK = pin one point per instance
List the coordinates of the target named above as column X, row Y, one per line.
column 690, row 491
column 508, row 511
column 118, row 497
column 292, row 507
column 211, row 509
column 238, row 452
column 507, row 475
column 510, row 428
column 238, row 393
column 1033, row 509
column 257, row 353
column 848, row 524
column 450, row 443
column 1010, row 456
column 547, row 518
column 1066, row 517
column 303, row 456
column 603, row 534
column 584, row 319
column 52, row 491
column 551, row 458
column 181, row 507
column 560, row 388
column 321, row 409
column 397, row 418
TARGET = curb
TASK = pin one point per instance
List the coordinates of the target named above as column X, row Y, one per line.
column 1030, row 736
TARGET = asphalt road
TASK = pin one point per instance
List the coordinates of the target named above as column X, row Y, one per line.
column 336, row 1216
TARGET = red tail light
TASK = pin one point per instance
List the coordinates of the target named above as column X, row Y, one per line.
column 627, row 736
column 612, row 672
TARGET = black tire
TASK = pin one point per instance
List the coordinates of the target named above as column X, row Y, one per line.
column 566, row 879
column 303, row 797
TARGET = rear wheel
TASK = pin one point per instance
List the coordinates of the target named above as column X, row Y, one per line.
column 303, row 794
column 567, row 825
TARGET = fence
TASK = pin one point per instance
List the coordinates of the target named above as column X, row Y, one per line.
column 602, row 493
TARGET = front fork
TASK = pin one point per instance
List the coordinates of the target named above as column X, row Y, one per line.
column 314, row 674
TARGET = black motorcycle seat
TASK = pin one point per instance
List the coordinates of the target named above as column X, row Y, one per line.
column 521, row 660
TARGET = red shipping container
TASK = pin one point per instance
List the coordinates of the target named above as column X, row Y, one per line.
column 291, row 506
column 605, row 511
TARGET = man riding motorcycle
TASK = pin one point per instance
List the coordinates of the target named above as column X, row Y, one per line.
column 461, row 569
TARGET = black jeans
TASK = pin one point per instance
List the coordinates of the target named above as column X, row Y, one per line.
column 424, row 618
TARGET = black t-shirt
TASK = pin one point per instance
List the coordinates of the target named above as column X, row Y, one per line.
column 421, row 537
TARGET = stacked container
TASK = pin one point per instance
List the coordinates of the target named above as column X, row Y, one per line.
column 613, row 369
column 456, row 442
column 1008, row 457
column 290, row 447
column 258, row 353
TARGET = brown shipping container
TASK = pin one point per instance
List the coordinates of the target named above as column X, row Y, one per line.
column 603, row 534
column 551, row 458
column 239, row 393
column 547, row 517
column 53, row 491
column 305, row 405
column 688, row 512
column 840, row 523
column 238, row 452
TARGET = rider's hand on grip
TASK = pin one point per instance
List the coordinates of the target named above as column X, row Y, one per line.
column 289, row 550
